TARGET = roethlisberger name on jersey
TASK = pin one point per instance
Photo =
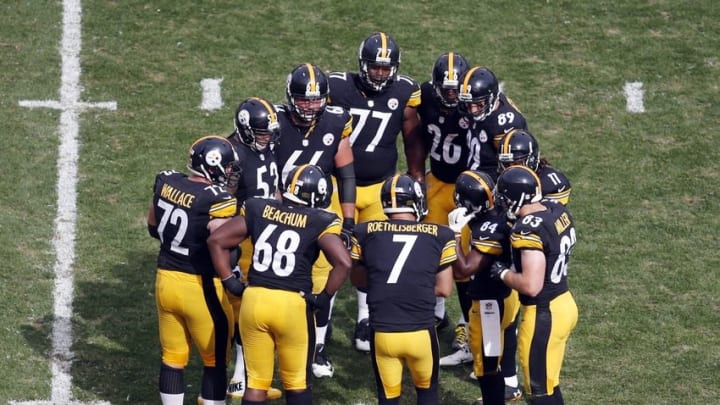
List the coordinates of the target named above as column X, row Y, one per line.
column 431, row 229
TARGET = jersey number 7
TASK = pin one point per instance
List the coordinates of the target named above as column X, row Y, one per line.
column 408, row 241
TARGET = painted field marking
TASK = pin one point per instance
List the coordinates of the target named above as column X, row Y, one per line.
column 65, row 220
column 211, row 98
column 634, row 97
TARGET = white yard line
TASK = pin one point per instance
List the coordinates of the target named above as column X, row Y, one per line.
column 211, row 98
column 634, row 94
column 65, row 221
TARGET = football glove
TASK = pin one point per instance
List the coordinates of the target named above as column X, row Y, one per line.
column 498, row 270
column 458, row 218
column 232, row 284
column 318, row 302
column 348, row 225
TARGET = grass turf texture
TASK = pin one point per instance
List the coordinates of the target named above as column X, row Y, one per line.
column 644, row 272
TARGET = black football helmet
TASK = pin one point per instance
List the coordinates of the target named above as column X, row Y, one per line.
column 307, row 91
column 307, row 185
column 256, row 123
column 378, row 50
column 214, row 158
column 474, row 191
column 519, row 147
column 517, row 186
column 479, row 88
column 446, row 73
column 402, row 193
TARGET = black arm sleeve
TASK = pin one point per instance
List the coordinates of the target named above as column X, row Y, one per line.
column 153, row 231
column 346, row 183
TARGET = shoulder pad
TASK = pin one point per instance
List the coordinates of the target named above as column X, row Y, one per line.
column 333, row 109
column 338, row 75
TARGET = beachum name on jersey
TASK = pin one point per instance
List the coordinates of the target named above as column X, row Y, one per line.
column 295, row 219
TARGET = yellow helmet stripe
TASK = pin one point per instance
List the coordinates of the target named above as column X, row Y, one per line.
column 451, row 66
column 204, row 138
column 271, row 113
column 465, row 88
column 537, row 179
column 313, row 81
column 505, row 148
column 485, row 186
column 383, row 44
column 298, row 172
column 393, row 184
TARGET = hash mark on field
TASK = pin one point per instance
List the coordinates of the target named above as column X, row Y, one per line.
column 211, row 99
column 65, row 221
column 634, row 95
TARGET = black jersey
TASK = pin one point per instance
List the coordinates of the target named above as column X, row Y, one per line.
column 183, row 209
column 259, row 172
column 285, row 241
column 491, row 237
column 377, row 121
column 402, row 259
column 316, row 145
column 443, row 132
column 553, row 232
column 485, row 136
column 554, row 184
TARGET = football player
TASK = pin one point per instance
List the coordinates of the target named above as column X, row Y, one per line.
column 542, row 239
column 315, row 133
column 191, row 303
column 444, row 132
column 404, row 264
column 276, row 313
column 494, row 305
column 520, row 147
column 383, row 103
column 257, row 129
column 492, row 113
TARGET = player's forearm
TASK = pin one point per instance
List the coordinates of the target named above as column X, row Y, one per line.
column 415, row 160
column 346, row 189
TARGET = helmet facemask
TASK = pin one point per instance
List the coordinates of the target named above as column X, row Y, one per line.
column 519, row 148
column 512, row 206
column 307, row 91
column 379, row 61
column 474, row 192
column 445, row 78
column 307, row 109
column 478, row 108
column 215, row 159
column 448, row 93
column 377, row 76
column 233, row 172
column 256, row 124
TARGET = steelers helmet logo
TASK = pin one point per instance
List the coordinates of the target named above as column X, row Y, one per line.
column 322, row 186
column 418, row 189
column 244, row 117
column 213, row 157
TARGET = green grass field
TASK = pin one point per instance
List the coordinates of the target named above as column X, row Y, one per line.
column 646, row 185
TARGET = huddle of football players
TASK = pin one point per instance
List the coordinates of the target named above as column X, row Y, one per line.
column 272, row 219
